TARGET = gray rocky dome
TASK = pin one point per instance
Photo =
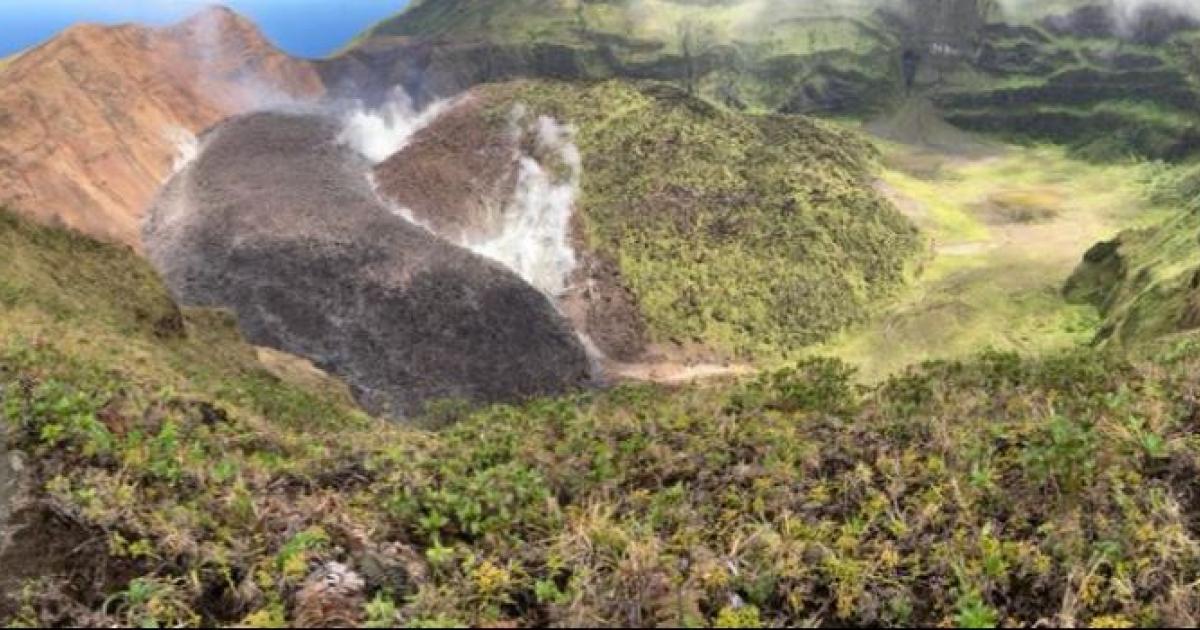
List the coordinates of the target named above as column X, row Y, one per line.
column 277, row 221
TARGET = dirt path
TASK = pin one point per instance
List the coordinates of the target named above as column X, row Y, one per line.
column 674, row 372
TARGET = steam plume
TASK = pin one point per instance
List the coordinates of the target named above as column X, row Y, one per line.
column 529, row 233
column 379, row 133
column 535, row 229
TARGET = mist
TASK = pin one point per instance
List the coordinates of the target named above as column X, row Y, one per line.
column 380, row 132
column 534, row 238
column 1128, row 10
column 752, row 15
column 530, row 233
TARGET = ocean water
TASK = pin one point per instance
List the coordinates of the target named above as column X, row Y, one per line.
column 305, row 28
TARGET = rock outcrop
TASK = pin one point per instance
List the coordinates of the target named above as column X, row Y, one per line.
column 90, row 121
column 277, row 220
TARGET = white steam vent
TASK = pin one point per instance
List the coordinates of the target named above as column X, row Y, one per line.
column 187, row 147
column 534, row 237
column 529, row 233
column 379, row 133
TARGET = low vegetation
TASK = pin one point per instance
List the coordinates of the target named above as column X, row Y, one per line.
column 1008, row 226
column 1146, row 281
column 755, row 235
column 997, row 490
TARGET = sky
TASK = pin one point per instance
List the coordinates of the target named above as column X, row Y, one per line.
column 305, row 28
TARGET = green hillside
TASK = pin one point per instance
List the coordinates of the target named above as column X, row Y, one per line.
column 175, row 483
column 1146, row 281
column 1017, row 76
column 753, row 235
column 749, row 54
column 156, row 470
column 1107, row 98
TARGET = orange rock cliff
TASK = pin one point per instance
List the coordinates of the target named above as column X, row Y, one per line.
column 90, row 121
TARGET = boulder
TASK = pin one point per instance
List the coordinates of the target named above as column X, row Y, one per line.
column 276, row 219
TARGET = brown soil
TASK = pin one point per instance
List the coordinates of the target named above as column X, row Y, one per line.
column 604, row 308
column 1021, row 206
column 72, row 560
column 39, row 541
column 85, row 117
column 455, row 175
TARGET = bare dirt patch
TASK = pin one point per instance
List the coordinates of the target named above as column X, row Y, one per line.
column 1022, row 206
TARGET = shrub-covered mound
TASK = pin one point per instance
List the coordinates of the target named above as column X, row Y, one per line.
column 185, row 486
column 750, row 234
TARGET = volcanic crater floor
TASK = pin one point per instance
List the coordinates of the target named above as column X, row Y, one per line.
column 1006, row 227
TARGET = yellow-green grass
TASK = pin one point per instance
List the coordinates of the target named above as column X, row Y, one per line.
column 1146, row 280
column 1006, row 230
column 203, row 491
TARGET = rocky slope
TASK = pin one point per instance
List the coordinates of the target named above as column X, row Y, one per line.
column 276, row 220
column 90, row 121
column 96, row 311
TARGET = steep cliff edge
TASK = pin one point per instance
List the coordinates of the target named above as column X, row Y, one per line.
column 90, row 121
column 1068, row 72
column 782, row 56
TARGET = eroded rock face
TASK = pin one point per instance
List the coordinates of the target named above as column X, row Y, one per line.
column 90, row 120
column 276, row 220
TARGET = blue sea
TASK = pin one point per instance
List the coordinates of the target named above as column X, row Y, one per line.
column 305, row 28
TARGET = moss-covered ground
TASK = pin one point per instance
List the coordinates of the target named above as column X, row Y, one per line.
column 999, row 490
